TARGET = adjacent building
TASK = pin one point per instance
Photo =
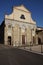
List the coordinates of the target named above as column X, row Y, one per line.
column 39, row 33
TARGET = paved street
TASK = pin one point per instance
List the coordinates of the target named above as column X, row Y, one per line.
column 14, row 56
column 35, row 48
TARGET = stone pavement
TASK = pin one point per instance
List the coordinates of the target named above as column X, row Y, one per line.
column 14, row 56
column 35, row 49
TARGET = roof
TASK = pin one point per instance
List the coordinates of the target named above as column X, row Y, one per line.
column 39, row 28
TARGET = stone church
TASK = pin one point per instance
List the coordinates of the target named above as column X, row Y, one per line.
column 19, row 27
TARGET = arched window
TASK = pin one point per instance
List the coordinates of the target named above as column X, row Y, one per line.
column 22, row 16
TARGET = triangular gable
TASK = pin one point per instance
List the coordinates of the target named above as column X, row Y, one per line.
column 14, row 15
column 22, row 7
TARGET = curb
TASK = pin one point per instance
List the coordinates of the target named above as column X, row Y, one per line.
column 32, row 51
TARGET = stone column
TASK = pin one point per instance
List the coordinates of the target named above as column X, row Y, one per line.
column 5, row 36
column 12, row 37
column 20, row 36
column 28, row 36
column 16, row 35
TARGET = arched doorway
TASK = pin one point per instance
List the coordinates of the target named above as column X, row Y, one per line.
column 9, row 40
column 39, row 40
column 23, row 33
column 23, row 39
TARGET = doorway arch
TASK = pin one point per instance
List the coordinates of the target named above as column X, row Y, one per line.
column 9, row 40
column 39, row 40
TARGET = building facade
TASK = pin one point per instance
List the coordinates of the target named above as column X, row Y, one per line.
column 20, row 28
column 39, row 34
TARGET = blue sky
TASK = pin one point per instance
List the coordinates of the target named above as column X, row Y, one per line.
column 34, row 6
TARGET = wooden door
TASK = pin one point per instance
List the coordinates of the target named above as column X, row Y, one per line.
column 23, row 39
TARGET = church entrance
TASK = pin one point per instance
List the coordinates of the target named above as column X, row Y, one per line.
column 23, row 39
column 9, row 40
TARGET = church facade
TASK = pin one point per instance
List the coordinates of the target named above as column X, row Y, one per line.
column 20, row 28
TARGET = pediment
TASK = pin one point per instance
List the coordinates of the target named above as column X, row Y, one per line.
column 24, row 15
column 22, row 7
